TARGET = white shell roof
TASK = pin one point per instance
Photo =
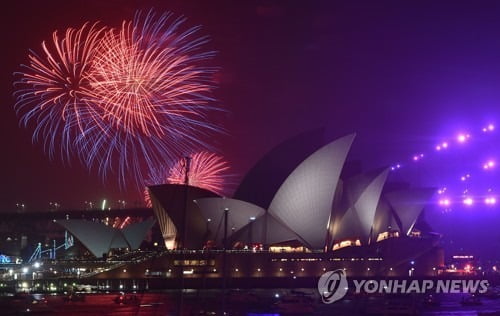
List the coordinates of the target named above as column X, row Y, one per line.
column 240, row 214
column 408, row 204
column 304, row 200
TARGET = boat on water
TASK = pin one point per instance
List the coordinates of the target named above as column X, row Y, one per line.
column 127, row 299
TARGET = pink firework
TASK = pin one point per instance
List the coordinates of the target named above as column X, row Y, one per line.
column 149, row 79
column 54, row 90
column 206, row 170
column 123, row 100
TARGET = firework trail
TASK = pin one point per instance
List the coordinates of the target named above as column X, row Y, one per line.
column 53, row 89
column 147, row 78
column 206, row 170
column 122, row 100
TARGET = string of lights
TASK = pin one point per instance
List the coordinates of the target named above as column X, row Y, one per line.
column 465, row 196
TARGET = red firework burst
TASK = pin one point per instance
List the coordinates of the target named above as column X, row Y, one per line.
column 54, row 89
column 148, row 78
column 206, row 170
column 124, row 100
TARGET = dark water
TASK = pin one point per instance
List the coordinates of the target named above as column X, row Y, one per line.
column 254, row 303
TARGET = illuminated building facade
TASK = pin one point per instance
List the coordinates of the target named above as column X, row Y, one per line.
column 318, row 218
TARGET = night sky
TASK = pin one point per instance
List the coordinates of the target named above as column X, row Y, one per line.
column 403, row 75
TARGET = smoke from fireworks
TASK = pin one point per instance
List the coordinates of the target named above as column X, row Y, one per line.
column 123, row 100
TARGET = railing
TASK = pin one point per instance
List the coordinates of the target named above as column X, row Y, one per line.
column 137, row 257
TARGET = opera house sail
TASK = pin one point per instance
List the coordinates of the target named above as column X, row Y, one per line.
column 317, row 217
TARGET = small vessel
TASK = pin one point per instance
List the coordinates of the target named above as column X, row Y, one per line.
column 127, row 299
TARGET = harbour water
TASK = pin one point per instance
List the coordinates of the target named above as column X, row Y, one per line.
column 248, row 303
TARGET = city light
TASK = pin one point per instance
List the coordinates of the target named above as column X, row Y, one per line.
column 490, row 164
column 442, row 146
column 489, row 128
column 418, row 157
column 444, row 202
column 468, row 201
column 442, row 190
column 397, row 166
column 491, row 200
column 462, row 138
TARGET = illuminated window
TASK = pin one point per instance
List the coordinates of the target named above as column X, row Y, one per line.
column 387, row 235
column 346, row 243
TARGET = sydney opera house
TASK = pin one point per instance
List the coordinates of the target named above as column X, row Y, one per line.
column 296, row 214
